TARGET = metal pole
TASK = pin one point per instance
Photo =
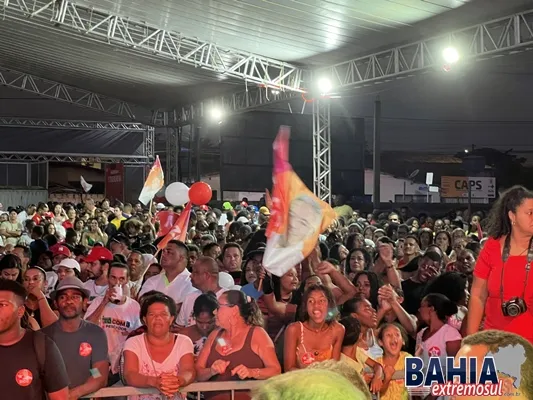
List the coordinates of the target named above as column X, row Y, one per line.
column 376, row 195
column 197, row 151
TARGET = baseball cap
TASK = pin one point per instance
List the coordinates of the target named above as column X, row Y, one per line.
column 160, row 206
column 98, row 254
column 60, row 250
column 68, row 263
column 244, row 220
column 70, row 282
column 227, row 206
column 264, row 210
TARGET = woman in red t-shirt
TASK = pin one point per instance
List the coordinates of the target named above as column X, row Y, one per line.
column 502, row 290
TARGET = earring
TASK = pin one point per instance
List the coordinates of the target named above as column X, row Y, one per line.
column 514, row 223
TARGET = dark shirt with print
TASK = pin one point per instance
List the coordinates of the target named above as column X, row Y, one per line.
column 21, row 379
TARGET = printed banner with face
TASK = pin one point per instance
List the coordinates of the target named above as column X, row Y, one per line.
column 298, row 217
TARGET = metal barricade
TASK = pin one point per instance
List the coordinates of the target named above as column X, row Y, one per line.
column 197, row 387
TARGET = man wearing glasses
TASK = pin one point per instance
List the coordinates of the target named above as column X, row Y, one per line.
column 82, row 344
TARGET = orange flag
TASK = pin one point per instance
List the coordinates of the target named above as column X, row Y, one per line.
column 179, row 230
column 154, row 183
column 268, row 199
column 297, row 218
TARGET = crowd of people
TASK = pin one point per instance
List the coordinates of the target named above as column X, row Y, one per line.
column 87, row 300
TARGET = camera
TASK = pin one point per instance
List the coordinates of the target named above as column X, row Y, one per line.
column 514, row 307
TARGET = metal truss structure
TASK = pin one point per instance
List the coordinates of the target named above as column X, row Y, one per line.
column 172, row 154
column 149, row 143
column 235, row 103
column 504, row 35
column 16, row 122
column 15, row 156
column 322, row 149
column 116, row 30
column 60, row 92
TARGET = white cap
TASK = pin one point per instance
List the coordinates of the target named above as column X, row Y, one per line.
column 244, row 220
column 68, row 263
column 160, row 206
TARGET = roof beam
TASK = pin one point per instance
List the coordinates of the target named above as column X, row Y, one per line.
column 502, row 36
column 506, row 35
column 19, row 156
column 116, row 30
column 64, row 93
column 235, row 103
column 15, row 122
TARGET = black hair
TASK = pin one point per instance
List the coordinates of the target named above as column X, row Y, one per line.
column 352, row 330
column 366, row 256
column 158, row 298
column 249, row 310
column 14, row 287
column 209, row 246
column 118, row 265
column 229, row 246
column 12, row 261
column 25, row 250
column 442, row 305
column 449, row 248
column 334, row 252
column 193, row 247
column 332, row 306
column 450, row 284
column 206, row 302
column 499, row 223
column 180, row 245
column 351, row 306
column 375, row 284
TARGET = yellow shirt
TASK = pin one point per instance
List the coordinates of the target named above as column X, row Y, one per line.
column 396, row 389
column 358, row 362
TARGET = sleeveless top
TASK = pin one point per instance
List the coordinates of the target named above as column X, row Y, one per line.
column 305, row 358
column 244, row 356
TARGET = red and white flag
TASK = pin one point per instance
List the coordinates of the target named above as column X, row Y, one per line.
column 179, row 230
column 153, row 184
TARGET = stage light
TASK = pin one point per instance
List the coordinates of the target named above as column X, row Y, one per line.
column 217, row 114
column 450, row 55
column 275, row 92
column 324, row 85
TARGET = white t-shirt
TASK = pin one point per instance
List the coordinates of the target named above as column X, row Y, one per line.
column 137, row 345
column 178, row 289
column 96, row 291
column 435, row 346
column 118, row 321
column 185, row 317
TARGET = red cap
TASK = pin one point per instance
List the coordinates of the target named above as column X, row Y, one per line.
column 204, row 208
column 60, row 250
column 49, row 214
column 99, row 253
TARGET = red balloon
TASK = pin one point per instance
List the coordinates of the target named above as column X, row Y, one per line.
column 200, row 193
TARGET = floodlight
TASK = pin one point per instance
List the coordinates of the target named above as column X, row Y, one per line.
column 450, row 55
column 324, row 85
column 216, row 114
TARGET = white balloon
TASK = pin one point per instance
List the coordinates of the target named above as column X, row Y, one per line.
column 225, row 280
column 177, row 193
